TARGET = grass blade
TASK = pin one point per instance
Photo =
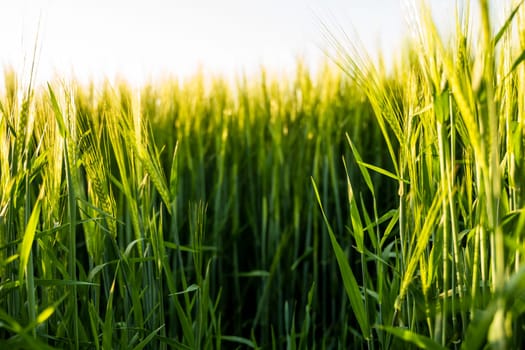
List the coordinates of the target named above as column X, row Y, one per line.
column 27, row 241
column 507, row 23
column 148, row 339
column 418, row 340
column 349, row 281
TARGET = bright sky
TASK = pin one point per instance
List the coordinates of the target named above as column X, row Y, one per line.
column 139, row 39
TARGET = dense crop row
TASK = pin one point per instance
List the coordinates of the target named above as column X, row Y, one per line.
column 183, row 211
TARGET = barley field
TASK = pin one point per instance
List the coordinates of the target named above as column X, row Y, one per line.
column 356, row 208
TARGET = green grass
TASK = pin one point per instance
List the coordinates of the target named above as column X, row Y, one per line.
column 456, row 161
column 357, row 208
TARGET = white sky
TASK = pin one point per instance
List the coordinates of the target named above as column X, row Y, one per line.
column 138, row 39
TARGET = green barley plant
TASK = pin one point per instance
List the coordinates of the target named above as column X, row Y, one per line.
column 455, row 264
column 174, row 216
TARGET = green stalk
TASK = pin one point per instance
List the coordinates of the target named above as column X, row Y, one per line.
column 451, row 173
column 445, row 219
column 492, row 182
column 72, row 247
column 31, row 301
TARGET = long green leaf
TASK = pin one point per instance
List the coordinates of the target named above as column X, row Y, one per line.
column 27, row 241
column 507, row 23
column 349, row 281
column 239, row 340
column 355, row 218
column 419, row 340
column 148, row 339
column 360, row 164
column 191, row 288
column 421, row 244
column 517, row 62
column 381, row 171
column 107, row 330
